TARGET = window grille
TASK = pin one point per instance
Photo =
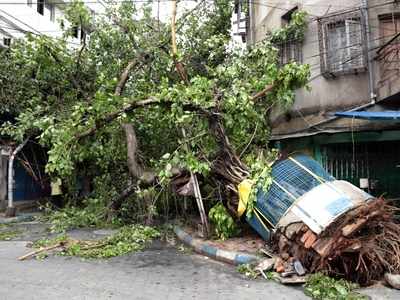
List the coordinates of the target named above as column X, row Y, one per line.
column 241, row 19
column 290, row 52
column 342, row 44
column 388, row 55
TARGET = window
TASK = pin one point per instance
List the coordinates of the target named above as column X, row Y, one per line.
column 388, row 55
column 75, row 31
column 40, row 7
column 45, row 8
column 49, row 7
column 287, row 17
column 240, row 19
column 341, row 45
column 7, row 41
column 290, row 51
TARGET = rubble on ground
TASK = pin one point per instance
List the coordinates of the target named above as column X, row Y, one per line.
column 361, row 246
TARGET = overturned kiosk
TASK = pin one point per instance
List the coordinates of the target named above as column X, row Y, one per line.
column 326, row 224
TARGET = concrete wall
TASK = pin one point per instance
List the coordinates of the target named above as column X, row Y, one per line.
column 327, row 94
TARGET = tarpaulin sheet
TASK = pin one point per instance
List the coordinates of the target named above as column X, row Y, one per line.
column 388, row 115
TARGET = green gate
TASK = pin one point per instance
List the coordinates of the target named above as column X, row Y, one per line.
column 377, row 161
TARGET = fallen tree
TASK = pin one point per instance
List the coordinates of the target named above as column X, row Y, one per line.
column 191, row 100
column 124, row 103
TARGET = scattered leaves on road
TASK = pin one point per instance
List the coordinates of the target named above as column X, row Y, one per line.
column 128, row 239
column 8, row 235
column 322, row 287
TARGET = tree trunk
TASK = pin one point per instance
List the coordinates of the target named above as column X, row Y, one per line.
column 135, row 169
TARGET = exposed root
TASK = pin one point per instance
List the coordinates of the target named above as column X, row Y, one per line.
column 360, row 246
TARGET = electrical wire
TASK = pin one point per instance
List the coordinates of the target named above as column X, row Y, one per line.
column 147, row 1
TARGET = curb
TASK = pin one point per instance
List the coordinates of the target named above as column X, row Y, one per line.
column 17, row 219
column 232, row 257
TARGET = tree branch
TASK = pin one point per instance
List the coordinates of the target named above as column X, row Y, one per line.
column 173, row 29
column 111, row 116
column 125, row 75
column 135, row 105
column 263, row 92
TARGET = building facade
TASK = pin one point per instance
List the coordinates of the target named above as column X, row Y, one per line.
column 353, row 49
column 39, row 17
column 17, row 18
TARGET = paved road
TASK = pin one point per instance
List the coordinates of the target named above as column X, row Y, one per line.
column 160, row 272
column 157, row 273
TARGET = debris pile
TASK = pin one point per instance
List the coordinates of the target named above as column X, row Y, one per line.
column 317, row 223
column 361, row 246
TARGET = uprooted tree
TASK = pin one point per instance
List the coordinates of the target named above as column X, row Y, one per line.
column 145, row 107
column 179, row 99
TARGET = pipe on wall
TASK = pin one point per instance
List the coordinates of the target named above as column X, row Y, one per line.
column 10, row 206
column 367, row 47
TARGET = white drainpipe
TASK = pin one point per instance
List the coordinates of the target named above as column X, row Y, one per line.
column 371, row 77
column 11, row 173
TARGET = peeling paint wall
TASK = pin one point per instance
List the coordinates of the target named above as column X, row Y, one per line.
column 327, row 94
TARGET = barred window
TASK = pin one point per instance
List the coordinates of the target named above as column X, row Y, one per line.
column 290, row 51
column 341, row 45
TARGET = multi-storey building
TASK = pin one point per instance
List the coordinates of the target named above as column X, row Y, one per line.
column 18, row 17
column 353, row 49
column 38, row 17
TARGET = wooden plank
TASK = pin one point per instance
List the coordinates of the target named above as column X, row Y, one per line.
column 350, row 228
column 310, row 241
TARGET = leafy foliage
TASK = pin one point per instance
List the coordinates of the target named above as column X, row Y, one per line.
column 322, row 287
column 128, row 239
column 247, row 270
column 225, row 226
column 294, row 31
column 70, row 99
column 74, row 217
column 9, row 234
column 260, row 169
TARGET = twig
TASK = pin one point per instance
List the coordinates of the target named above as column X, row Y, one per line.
column 263, row 274
column 251, row 140
column 173, row 29
column 36, row 252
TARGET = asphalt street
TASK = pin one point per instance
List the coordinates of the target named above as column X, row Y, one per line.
column 159, row 272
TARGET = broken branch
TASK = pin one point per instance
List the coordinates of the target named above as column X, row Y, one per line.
column 36, row 252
